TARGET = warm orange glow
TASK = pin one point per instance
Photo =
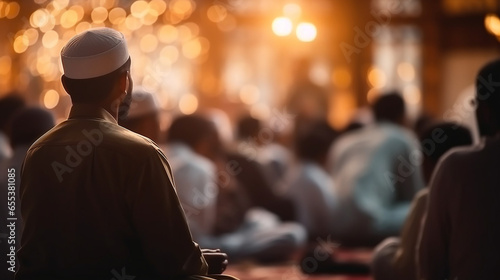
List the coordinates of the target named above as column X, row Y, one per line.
column 50, row 99
column 184, row 33
column 183, row 8
column 12, row 10
column 306, row 32
column 372, row 95
column 149, row 43
column 191, row 49
column 132, row 23
column 32, row 35
column 117, row 16
column 412, row 95
column 169, row 55
column 82, row 26
column 5, row 65
column 39, row 18
column 79, row 11
column 99, row 15
column 69, row 18
column 249, row 94
column 292, row 10
column 159, row 6
column 216, row 13
column 492, row 24
column 60, row 4
column 50, row 39
column 139, row 8
column 21, row 43
column 188, row 104
column 167, row 34
column 406, row 71
column 377, row 78
column 341, row 78
column 108, row 4
column 228, row 24
column 282, row 26
column 260, row 111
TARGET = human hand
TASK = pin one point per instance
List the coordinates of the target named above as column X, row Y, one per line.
column 216, row 260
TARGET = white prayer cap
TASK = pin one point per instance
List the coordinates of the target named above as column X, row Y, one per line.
column 93, row 53
column 143, row 102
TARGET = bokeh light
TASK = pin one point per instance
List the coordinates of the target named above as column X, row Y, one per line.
column 406, row 71
column 292, row 10
column 50, row 99
column 377, row 78
column 188, row 104
column 149, row 43
column 282, row 26
column 216, row 13
column 306, row 32
column 249, row 94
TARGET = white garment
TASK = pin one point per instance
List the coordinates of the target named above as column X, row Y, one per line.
column 194, row 177
column 376, row 171
column 460, row 236
column 310, row 188
column 5, row 149
column 260, row 236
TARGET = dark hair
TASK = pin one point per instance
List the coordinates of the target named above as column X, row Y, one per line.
column 94, row 89
column 248, row 127
column 29, row 124
column 9, row 105
column 488, row 87
column 315, row 141
column 437, row 139
column 190, row 130
column 389, row 107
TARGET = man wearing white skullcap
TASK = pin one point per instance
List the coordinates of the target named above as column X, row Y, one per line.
column 98, row 200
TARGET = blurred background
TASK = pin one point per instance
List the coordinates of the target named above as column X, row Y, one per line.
column 267, row 58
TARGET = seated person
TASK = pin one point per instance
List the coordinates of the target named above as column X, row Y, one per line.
column 376, row 171
column 194, row 149
column 460, row 235
column 98, row 201
column 309, row 185
column 395, row 258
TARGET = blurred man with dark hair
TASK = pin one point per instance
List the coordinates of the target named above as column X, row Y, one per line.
column 9, row 105
column 194, row 148
column 98, row 200
column 309, row 185
column 376, row 171
column 26, row 126
column 460, row 236
column 395, row 258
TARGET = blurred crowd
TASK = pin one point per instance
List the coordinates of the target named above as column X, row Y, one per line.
column 265, row 194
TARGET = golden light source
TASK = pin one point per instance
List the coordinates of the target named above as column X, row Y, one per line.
column 50, row 39
column 117, row 16
column 50, row 99
column 69, row 18
column 376, row 78
column 306, row 32
column 191, row 49
column 406, row 71
column 99, row 15
column 39, row 18
column 216, row 13
column 188, row 104
column 5, row 64
column 492, row 24
column 139, row 8
column 169, row 55
column 260, row 111
column 167, row 34
column 341, row 78
column 12, row 10
column 282, row 26
column 21, row 43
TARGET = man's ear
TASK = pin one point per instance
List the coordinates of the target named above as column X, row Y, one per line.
column 123, row 82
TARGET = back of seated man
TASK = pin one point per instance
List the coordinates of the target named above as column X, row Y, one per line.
column 395, row 257
column 98, row 200
column 460, row 237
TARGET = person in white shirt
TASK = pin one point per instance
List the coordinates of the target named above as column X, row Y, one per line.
column 460, row 237
column 193, row 145
column 309, row 185
column 376, row 170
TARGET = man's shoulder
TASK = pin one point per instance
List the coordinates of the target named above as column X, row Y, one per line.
column 96, row 135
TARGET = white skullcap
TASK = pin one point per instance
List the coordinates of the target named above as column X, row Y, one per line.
column 93, row 53
column 143, row 102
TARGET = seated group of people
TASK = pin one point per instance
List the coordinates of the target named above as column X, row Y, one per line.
column 100, row 201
